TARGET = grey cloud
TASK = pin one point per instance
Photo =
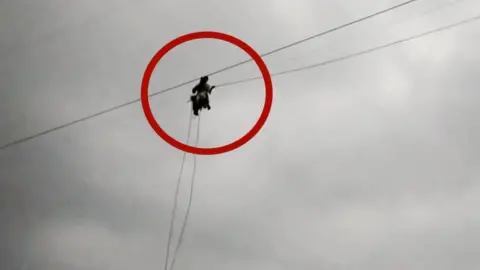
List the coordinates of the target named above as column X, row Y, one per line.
column 370, row 163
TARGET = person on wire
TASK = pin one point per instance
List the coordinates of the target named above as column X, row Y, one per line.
column 200, row 98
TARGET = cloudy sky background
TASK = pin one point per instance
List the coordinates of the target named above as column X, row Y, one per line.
column 372, row 163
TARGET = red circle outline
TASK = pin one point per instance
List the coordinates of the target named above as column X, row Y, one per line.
column 201, row 35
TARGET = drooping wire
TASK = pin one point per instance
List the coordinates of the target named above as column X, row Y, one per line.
column 356, row 54
column 187, row 213
column 177, row 191
column 210, row 74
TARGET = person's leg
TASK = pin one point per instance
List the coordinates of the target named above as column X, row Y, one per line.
column 208, row 102
column 195, row 107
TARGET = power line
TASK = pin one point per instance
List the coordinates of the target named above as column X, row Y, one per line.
column 437, row 8
column 319, row 35
column 213, row 73
column 352, row 55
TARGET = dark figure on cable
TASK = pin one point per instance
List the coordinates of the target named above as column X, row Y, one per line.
column 201, row 92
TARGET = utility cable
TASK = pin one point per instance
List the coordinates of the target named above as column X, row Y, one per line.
column 363, row 52
column 193, row 80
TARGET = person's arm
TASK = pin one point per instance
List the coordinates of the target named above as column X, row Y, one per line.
column 211, row 88
column 195, row 89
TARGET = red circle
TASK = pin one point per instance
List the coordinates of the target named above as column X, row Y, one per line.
column 215, row 150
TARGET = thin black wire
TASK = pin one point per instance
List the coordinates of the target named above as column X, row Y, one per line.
column 318, row 35
column 441, row 6
column 193, row 80
column 174, row 208
column 357, row 53
column 187, row 214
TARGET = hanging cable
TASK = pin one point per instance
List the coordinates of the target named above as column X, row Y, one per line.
column 187, row 214
column 352, row 55
column 210, row 74
column 177, row 191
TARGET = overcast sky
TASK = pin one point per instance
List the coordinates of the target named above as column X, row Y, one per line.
column 371, row 163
